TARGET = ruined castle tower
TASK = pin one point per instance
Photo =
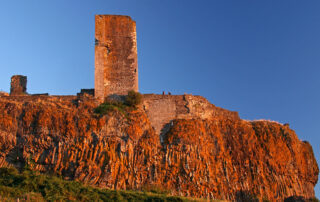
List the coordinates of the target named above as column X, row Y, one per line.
column 18, row 85
column 116, row 68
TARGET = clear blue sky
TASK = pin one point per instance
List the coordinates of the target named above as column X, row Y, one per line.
column 260, row 58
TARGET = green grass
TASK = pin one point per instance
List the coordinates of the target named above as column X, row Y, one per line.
column 131, row 101
column 107, row 107
column 31, row 186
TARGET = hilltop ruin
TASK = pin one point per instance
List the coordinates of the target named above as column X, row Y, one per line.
column 179, row 143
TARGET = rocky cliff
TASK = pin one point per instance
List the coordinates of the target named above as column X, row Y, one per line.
column 217, row 156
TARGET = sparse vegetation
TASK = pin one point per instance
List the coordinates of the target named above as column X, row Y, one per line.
column 109, row 106
column 130, row 102
column 133, row 98
column 157, row 189
column 314, row 199
column 30, row 186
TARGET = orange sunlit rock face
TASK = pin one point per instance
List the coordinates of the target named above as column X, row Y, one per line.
column 220, row 157
column 116, row 68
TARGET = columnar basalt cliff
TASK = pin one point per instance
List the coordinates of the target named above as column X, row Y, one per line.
column 220, row 156
column 180, row 143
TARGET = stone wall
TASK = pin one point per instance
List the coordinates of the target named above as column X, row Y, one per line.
column 116, row 69
column 162, row 109
column 34, row 98
column 18, row 85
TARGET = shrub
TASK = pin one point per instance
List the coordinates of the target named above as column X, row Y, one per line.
column 133, row 98
column 109, row 106
column 130, row 101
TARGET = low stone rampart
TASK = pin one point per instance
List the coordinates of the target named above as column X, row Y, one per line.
column 162, row 109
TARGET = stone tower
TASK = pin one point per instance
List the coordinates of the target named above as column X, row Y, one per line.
column 18, row 85
column 116, row 67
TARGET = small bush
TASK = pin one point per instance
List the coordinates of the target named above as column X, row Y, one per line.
column 109, row 106
column 130, row 101
column 133, row 98
column 104, row 108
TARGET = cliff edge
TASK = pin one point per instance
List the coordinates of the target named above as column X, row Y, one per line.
column 188, row 147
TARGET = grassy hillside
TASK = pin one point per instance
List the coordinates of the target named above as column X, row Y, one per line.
column 31, row 186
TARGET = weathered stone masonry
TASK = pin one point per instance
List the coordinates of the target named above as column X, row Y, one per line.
column 162, row 109
column 18, row 85
column 116, row 69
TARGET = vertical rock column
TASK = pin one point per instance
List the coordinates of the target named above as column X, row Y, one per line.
column 18, row 85
column 116, row 68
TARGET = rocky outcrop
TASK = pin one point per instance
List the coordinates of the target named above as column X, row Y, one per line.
column 220, row 156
